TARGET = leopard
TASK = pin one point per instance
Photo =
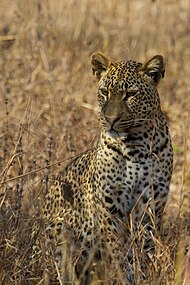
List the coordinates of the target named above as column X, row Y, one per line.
column 97, row 204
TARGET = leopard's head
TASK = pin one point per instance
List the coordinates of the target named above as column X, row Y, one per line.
column 127, row 92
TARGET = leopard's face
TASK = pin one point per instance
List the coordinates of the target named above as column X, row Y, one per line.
column 127, row 92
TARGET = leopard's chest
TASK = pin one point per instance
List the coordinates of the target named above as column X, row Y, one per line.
column 120, row 181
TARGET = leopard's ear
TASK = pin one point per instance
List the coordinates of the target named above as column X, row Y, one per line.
column 100, row 64
column 154, row 68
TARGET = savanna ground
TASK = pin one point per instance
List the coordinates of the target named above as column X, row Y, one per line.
column 49, row 109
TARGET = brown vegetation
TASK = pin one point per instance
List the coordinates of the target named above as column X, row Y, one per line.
column 49, row 109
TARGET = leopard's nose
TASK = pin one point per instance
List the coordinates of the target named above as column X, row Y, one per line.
column 111, row 120
column 112, row 111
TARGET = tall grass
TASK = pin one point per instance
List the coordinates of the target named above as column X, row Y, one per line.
column 49, row 111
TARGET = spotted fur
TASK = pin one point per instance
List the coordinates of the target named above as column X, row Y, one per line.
column 125, row 180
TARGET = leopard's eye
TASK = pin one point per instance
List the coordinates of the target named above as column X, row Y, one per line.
column 130, row 93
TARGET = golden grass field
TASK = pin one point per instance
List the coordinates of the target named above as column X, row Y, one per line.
column 49, row 111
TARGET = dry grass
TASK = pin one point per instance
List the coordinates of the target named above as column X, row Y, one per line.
column 49, row 109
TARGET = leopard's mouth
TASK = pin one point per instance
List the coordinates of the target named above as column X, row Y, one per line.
column 114, row 133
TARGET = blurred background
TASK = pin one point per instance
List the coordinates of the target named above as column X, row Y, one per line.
column 49, row 110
